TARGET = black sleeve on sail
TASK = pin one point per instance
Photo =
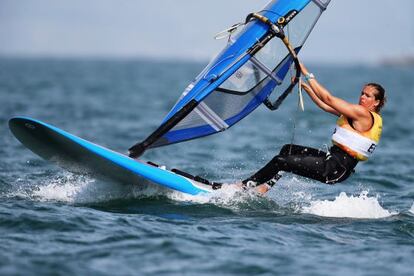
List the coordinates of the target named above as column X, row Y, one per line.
column 250, row 68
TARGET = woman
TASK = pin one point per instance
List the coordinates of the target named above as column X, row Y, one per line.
column 357, row 133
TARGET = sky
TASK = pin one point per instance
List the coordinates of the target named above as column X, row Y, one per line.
column 350, row 31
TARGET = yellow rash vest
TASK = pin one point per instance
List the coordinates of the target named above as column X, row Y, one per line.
column 359, row 145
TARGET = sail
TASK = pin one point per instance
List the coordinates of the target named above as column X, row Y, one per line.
column 241, row 77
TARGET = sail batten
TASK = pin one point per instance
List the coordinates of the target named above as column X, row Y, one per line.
column 211, row 117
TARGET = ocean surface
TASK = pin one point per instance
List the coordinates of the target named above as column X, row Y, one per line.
column 56, row 223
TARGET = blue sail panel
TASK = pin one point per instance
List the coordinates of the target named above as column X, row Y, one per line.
column 241, row 77
column 229, row 58
column 206, row 129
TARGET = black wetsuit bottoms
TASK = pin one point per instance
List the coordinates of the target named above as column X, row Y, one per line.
column 329, row 168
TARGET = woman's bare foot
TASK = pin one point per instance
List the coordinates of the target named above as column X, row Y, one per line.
column 262, row 189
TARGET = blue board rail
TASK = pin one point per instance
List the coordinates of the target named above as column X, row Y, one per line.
column 81, row 156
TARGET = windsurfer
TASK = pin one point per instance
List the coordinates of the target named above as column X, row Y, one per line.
column 356, row 135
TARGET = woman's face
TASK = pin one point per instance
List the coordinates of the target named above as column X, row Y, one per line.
column 367, row 98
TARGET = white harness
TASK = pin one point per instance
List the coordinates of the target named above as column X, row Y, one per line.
column 354, row 141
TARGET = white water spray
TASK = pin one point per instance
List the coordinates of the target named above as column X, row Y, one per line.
column 412, row 209
column 345, row 206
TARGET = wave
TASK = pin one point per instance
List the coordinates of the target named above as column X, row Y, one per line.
column 228, row 196
column 412, row 209
column 290, row 194
column 78, row 189
column 344, row 206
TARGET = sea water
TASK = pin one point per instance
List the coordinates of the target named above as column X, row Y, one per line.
column 55, row 222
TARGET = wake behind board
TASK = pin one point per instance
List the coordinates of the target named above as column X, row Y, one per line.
column 80, row 156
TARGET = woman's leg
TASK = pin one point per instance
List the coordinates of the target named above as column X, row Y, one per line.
column 292, row 149
column 304, row 161
column 308, row 166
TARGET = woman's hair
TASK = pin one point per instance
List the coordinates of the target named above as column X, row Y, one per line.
column 380, row 95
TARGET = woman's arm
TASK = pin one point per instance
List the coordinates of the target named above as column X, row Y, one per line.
column 352, row 111
column 317, row 101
